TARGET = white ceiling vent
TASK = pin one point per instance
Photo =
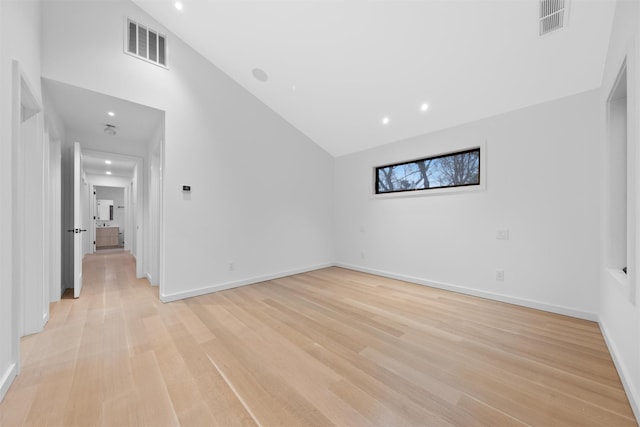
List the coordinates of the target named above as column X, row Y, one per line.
column 145, row 43
column 553, row 15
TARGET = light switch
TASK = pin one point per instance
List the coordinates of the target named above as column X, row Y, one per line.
column 502, row 234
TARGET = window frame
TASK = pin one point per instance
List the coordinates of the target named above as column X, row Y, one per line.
column 481, row 148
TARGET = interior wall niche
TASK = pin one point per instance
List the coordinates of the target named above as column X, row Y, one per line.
column 617, row 238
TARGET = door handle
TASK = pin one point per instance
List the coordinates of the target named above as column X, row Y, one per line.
column 77, row 231
column 71, row 231
column 80, row 231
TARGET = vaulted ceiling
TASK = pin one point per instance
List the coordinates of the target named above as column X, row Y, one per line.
column 335, row 69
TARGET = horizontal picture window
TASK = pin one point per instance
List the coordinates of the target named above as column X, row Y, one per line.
column 457, row 169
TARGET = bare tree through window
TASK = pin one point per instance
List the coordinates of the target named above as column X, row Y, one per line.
column 448, row 170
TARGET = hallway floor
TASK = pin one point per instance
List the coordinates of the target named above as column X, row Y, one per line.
column 329, row 347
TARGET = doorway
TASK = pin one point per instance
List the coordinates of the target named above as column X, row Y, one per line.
column 117, row 138
column 110, row 218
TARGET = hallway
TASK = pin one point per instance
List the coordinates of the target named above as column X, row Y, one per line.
column 78, row 371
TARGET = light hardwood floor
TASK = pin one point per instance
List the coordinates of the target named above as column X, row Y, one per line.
column 330, row 347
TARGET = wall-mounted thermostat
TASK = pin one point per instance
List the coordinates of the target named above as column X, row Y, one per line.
column 186, row 188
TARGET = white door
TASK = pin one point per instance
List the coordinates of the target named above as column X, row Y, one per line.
column 78, row 231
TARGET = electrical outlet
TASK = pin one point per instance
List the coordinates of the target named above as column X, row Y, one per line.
column 232, row 266
column 500, row 275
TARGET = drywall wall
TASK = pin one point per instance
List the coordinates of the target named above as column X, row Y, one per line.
column 541, row 166
column 115, row 144
column 7, row 344
column 108, row 181
column 31, row 173
column 54, row 221
column 261, row 191
column 153, row 207
column 20, row 41
column 618, row 297
column 56, row 134
column 87, row 211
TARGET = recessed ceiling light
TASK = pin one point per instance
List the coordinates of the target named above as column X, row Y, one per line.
column 424, row 107
column 385, row 121
column 179, row 5
column 111, row 113
column 108, row 172
column 107, row 162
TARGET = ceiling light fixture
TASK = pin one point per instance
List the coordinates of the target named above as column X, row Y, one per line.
column 178, row 5
column 111, row 113
column 110, row 130
column 385, row 121
column 108, row 172
column 107, row 162
column 424, row 107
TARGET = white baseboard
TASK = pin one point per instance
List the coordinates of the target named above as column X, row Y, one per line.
column 558, row 309
column 230, row 285
column 149, row 278
column 567, row 311
column 623, row 371
column 7, row 379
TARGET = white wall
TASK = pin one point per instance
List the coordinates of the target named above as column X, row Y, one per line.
column 56, row 134
column 86, row 215
column 137, row 226
column 20, row 40
column 153, row 207
column 115, row 144
column 35, row 281
column 618, row 299
column 7, row 344
column 55, row 221
column 108, row 181
column 261, row 191
column 542, row 185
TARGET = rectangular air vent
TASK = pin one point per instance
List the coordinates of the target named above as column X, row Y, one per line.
column 553, row 15
column 145, row 43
